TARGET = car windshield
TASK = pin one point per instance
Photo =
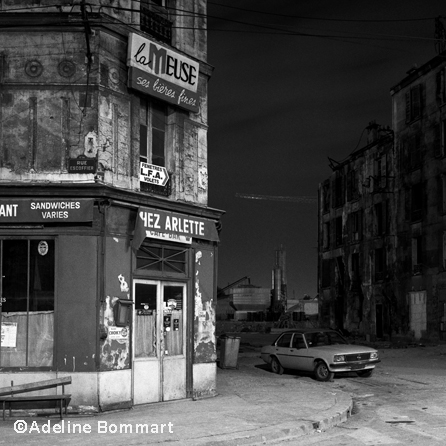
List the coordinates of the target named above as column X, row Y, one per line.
column 318, row 339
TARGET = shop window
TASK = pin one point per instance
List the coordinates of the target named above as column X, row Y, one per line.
column 27, row 307
column 161, row 258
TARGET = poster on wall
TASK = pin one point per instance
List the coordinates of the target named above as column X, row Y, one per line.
column 9, row 334
column 120, row 334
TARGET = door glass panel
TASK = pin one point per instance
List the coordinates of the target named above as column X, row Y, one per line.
column 145, row 320
column 173, row 319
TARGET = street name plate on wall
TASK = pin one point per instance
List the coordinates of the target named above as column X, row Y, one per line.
column 82, row 165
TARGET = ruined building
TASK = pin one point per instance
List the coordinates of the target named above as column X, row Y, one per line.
column 107, row 245
column 382, row 227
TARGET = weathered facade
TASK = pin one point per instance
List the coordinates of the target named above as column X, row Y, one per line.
column 108, row 247
column 381, row 220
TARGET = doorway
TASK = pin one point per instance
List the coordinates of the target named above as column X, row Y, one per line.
column 159, row 344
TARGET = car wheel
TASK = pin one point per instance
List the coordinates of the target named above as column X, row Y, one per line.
column 322, row 373
column 365, row 373
column 276, row 366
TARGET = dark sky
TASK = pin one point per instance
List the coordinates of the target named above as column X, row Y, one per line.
column 293, row 86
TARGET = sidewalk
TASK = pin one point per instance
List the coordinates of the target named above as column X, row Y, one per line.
column 253, row 406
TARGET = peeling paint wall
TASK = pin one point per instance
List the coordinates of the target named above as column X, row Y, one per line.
column 114, row 343
column 93, row 114
column 204, row 311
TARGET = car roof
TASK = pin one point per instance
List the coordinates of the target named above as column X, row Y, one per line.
column 309, row 330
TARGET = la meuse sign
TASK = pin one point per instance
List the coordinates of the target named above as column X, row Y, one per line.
column 29, row 210
column 159, row 71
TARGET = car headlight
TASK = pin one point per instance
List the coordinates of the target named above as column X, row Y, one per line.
column 374, row 355
column 339, row 358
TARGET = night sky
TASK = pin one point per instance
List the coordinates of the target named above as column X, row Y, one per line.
column 292, row 86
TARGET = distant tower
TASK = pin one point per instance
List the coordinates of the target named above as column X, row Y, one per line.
column 279, row 284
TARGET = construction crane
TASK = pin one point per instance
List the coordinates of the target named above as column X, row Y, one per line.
column 292, row 199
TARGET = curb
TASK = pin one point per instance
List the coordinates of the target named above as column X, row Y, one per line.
column 340, row 413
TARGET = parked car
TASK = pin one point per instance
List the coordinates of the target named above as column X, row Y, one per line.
column 323, row 352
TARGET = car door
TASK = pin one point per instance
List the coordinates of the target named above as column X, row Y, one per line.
column 282, row 349
column 299, row 356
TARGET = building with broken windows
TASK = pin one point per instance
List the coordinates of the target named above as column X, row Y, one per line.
column 108, row 246
column 382, row 220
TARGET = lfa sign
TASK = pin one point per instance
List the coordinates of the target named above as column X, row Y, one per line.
column 149, row 173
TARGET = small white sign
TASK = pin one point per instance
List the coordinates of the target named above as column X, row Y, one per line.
column 170, row 237
column 9, row 334
column 149, row 173
column 119, row 334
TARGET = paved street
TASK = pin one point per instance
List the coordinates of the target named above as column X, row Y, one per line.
column 403, row 403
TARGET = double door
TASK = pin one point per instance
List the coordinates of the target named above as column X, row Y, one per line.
column 159, row 341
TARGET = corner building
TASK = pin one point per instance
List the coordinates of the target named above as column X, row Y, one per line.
column 108, row 249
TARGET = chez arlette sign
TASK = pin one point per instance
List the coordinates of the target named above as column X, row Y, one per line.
column 154, row 223
column 158, row 71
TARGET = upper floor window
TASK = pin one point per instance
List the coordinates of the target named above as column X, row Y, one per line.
column 412, row 154
column 152, row 146
column 416, row 202
column 413, row 103
column 326, row 197
column 155, row 20
column 441, row 86
column 380, row 263
column 352, row 185
column 356, row 225
column 381, row 222
column 338, row 191
column 326, row 273
column 326, row 236
column 153, row 127
column 416, row 255
column 338, row 231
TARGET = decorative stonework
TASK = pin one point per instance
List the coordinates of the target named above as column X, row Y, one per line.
column 66, row 68
column 33, row 68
